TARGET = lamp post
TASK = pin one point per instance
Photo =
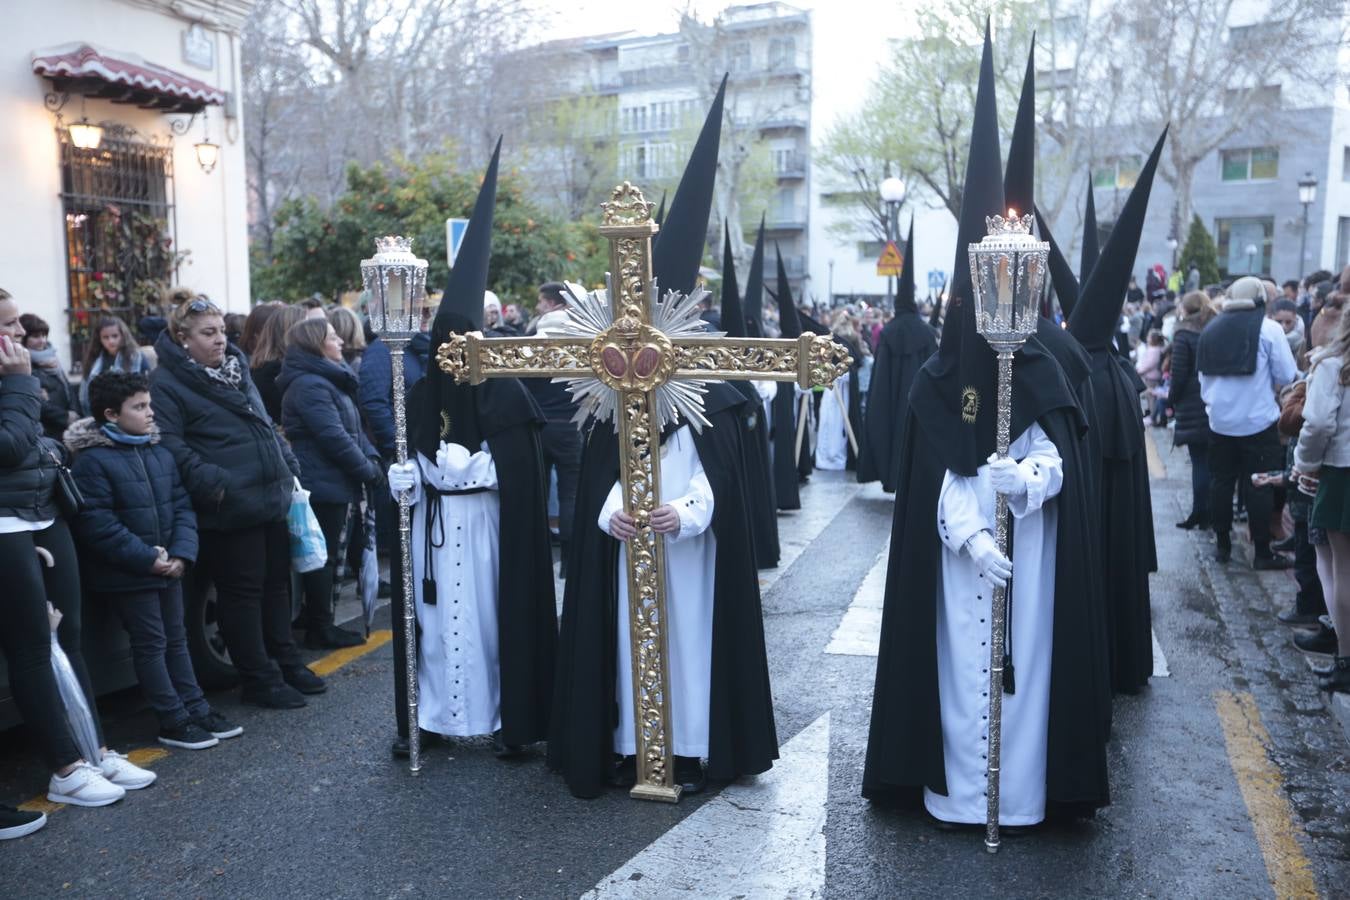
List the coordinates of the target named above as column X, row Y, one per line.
column 1307, row 195
column 1007, row 271
column 892, row 194
column 1172, row 245
column 397, row 285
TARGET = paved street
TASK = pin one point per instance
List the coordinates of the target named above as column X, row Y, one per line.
column 1230, row 776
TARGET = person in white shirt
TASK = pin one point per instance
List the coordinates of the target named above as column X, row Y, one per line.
column 1244, row 360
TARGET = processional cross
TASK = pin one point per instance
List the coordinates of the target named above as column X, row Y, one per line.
column 640, row 360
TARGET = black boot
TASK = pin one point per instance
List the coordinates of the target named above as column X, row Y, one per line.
column 690, row 774
column 1321, row 642
column 1194, row 520
column 331, row 637
column 504, row 750
column 1223, row 548
column 1338, row 682
column 624, row 773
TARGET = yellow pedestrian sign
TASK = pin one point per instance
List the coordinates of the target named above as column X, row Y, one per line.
column 890, row 261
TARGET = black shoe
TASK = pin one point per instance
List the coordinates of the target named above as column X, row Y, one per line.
column 1273, row 563
column 218, row 726
column 1322, row 670
column 1321, row 642
column 1223, row 549
column 624, row 774
column 690, row 774
column 188, row 736
column 1288, row 545
column 331, row 637
column 1193, row 521
column 400, row 747
column 504, row 750
column 16, row 823
column 280, row 696
column 1338, row 682
column 1293, row 617
column 303, row 680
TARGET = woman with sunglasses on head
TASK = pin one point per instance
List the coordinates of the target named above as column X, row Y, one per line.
column 38, row 558
column 240, row 475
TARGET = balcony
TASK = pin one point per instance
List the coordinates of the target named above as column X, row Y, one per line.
column 785, row 121
column 791, row 167
column 679, row 73
column 793, row 219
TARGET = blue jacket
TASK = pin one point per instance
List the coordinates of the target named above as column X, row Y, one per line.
column 134, row 501
column 318, row 414
column 376, row 393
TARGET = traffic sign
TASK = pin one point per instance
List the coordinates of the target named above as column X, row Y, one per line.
column 891, row 260
column 454, row 236
column 937, row 280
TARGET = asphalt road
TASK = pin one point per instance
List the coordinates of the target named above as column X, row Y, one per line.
column 1229, row 776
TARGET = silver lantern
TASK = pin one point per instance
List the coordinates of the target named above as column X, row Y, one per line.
column 1007, row 273
column 396, row 284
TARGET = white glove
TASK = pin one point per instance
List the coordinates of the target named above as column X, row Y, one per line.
column 402, row 477
column 994, row 566
column 1006, row 476
column 452, row 455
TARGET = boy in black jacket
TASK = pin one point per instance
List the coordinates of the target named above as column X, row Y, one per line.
column 138, row 534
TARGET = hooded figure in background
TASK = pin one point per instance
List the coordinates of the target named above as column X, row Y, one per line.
column 487, row 618
column 721, row 707
column 929, row 732
column 905, row 345
column 1127, row 549
column 790, row 468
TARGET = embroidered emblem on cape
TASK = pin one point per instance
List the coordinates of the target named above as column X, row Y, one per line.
column 445, row 425
column 970, row 405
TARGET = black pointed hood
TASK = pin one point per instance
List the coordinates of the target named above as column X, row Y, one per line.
column 1019, row 178
column 661, row 210
column 955, row 396
column 754, row 288
column 789, row 325
column 1061, row 274
column 905, row 290
column 440, row 409
column 733, row 316
column 1097, row 316
column 684, row 232
column 1088, row 258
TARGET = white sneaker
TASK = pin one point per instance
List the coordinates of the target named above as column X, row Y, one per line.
column 124, row 773
column 85, row 786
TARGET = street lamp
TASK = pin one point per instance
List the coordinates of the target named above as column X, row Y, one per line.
column 1307, row 195
column 1172, row 245
column 1251, row 259
column 892, row 194
column 396, row 282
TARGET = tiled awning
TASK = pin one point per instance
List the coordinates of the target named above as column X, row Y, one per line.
column 122, row 78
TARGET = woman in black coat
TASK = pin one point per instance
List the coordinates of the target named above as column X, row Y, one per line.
column 1192, row 421
column 320, row 418
column 240, row 476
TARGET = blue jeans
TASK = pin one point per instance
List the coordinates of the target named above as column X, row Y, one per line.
column 159, row 652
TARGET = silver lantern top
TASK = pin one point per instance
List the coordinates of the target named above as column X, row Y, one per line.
column 1007, row 273
column 396, row 283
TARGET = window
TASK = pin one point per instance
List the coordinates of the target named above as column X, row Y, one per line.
column 1254, row 164
column 1245, row 245
column 785, row 161
column 1117, row 174
column 1345, row 164
column 118, row 211
column 1242, row 100
column 782, row 53
column 738, row 57
column 682, row 53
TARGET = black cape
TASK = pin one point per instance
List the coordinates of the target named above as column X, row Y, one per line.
column 742, row 739
column 758, row 480
column 508, row 419
column 904, row 748
column 786, row 477
column 904, row 346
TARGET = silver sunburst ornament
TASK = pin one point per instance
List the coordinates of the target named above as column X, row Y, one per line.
column 590, row 317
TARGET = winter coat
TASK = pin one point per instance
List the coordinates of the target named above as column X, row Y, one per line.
column 235, row 467
column 377, row 386
column 134, row 501
column 60, row 400
column 265, row 379
column 319, row 416
column 1325, row 438
column 1192, row 421
column 27, row 470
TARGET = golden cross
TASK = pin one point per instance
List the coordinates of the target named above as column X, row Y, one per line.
column 633, row 358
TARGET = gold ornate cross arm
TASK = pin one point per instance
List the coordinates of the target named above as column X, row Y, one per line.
column 472, row 358
column 809, row 360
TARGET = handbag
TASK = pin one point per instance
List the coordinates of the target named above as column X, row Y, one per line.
column 68, row 497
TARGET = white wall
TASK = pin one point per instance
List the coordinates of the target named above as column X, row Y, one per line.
column 211, row 209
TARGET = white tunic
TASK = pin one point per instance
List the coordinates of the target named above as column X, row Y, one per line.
column 691, row 558
column 831, row 439
column 458, row 670
column 965, row 506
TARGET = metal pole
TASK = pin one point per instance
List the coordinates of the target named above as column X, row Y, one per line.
column 1303, row 244
column 396, row 348
column 998, row 617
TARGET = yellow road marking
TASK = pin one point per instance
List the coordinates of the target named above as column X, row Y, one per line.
column 339, row 658
column 1277, row 833
column 1156, row 467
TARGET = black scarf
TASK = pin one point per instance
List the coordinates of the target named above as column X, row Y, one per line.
column 1229, row 344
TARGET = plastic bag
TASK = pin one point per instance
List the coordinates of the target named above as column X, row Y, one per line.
column 309, row 550
column 370, row 566
column 78, row 716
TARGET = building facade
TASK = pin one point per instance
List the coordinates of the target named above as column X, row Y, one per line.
column 124, row 158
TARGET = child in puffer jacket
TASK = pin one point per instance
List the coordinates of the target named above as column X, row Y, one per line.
column 138, row 533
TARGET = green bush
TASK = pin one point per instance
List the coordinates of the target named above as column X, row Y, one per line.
column 1200, row 252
